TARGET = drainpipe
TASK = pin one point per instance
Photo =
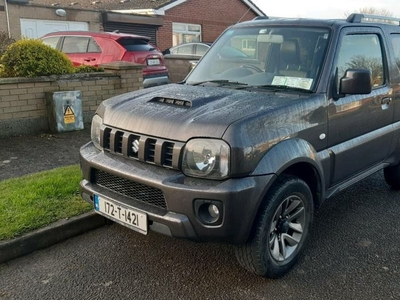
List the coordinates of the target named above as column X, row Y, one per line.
column 8, row 19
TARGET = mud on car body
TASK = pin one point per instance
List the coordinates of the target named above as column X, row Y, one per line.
column 246, row 148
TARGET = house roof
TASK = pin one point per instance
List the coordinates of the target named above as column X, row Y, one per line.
column 105, row 4
column 119, row 5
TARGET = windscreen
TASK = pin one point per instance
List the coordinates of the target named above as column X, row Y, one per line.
column 135, row 44
column 260, row 56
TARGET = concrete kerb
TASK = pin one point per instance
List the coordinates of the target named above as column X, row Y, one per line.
column 50, row 235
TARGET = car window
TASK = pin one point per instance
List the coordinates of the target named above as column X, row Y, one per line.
column 135, row 44
column 362, row 51
column 201, row 49
column 231, row 52
column 93, row 46
column 184, row 49
column 75, row 44
column 265, row 55
column 396, row 48
column 51, row 41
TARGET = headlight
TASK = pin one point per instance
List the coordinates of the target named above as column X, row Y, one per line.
column 97, row 121
column 206, row 158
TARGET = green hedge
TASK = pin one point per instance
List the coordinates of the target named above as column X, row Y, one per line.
column 32, row 58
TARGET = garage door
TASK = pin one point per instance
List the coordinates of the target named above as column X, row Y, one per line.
column 37, row 28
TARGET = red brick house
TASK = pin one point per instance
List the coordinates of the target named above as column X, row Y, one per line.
column 205, row 18
column 167, row 22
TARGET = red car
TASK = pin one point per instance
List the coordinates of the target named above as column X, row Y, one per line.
column 95, row 48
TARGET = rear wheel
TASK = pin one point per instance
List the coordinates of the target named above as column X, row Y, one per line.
column 281, row 229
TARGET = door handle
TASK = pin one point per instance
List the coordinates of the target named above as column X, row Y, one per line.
column 89, row 59
column 385, row 102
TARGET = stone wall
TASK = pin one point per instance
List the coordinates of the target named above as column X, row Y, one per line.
column 23, row 102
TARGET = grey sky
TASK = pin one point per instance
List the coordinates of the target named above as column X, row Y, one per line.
column 322, row 9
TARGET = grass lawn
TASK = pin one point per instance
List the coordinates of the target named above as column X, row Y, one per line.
column 34, row 201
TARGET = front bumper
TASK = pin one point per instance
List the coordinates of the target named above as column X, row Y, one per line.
column 240, row 197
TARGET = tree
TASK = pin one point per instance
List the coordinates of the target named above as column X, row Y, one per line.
column 5, row 41
column 373, row 64
column 373, row 11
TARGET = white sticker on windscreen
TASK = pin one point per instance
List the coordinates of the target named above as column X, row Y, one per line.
column 298, row 82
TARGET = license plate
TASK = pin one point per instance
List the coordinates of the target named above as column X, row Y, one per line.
column 153, row 62
column 121, row 214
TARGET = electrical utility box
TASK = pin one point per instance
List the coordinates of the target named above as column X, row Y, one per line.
column 64, row 110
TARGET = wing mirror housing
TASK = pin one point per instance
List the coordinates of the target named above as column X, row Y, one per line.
column 355, row 81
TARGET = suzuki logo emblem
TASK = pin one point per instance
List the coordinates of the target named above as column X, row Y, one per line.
column 135, row 146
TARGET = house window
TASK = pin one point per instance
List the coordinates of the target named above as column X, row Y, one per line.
column 185, row 33
column 249, row 44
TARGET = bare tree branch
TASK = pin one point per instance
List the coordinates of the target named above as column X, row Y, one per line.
column 372, row 11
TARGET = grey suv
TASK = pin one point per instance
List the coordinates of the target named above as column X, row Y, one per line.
column 248, row 147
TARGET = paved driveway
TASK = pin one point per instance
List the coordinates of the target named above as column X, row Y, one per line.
column 353, row 254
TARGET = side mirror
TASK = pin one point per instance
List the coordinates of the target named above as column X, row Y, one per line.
column 356, row 81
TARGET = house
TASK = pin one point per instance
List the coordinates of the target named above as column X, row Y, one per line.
column 167, row 22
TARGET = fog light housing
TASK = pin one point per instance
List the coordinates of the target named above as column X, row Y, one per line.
column 209, row 212
column 213, row 211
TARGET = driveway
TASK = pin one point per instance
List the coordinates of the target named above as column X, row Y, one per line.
column 353, row 253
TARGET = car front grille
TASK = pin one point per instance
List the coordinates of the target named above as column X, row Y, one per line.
column 133, row 190
column 143, row 148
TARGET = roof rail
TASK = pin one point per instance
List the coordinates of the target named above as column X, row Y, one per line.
column 357, row 18
column 261, row 18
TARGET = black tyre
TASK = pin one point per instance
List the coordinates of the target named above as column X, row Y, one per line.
column 392, row 176
column 280, row 230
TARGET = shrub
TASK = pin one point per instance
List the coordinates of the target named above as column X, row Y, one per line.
column 5, row 41
column 88, row 69
column 31, row 58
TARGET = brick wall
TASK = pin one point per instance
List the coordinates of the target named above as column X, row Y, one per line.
column 23, row 104
column 179, row 66
column 213, row 16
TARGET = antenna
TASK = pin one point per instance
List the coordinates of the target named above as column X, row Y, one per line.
column 244, row 15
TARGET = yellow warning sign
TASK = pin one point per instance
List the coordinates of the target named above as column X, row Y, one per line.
column 69, row 116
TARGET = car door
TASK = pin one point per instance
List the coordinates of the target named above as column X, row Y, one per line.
column 360, row 130
column 82, row 50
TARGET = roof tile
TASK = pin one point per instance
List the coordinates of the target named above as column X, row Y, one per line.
column 105, row 4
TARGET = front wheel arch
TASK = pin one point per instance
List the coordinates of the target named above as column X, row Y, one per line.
column 299, row 158
column 310, row 176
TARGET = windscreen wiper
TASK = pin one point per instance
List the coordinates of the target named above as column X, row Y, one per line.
column 220, row 81
column 278, row 87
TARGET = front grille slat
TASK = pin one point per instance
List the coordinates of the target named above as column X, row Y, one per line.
column 167, row 154
column 131, row 189
column 107, row 138
column 118, row 141
column 143, row 148
column 150, row 150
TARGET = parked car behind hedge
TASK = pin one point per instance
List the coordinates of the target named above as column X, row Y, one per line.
column 94, row 48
